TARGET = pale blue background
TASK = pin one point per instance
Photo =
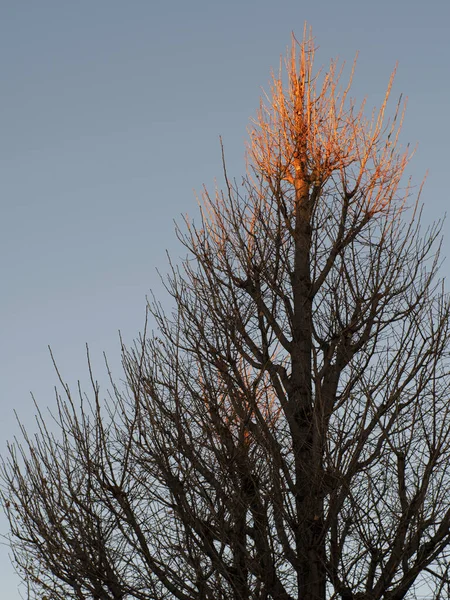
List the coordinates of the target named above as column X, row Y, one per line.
column 110, row 116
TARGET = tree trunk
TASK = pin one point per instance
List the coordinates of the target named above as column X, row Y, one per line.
column 306, row 431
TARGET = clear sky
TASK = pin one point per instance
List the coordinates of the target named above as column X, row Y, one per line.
column 110, row 116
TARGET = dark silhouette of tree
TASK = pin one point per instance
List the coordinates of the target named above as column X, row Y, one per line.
column 285, row 433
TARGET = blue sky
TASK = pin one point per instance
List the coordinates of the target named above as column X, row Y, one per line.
column 110, row 117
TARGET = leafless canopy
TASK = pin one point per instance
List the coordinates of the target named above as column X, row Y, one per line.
column 286, row 432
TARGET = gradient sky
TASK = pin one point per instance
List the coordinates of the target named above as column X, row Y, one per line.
column 110, row 117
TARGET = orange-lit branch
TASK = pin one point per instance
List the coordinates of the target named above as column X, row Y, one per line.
column 310, row 131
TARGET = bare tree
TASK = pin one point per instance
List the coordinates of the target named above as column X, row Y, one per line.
column 285, row 433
